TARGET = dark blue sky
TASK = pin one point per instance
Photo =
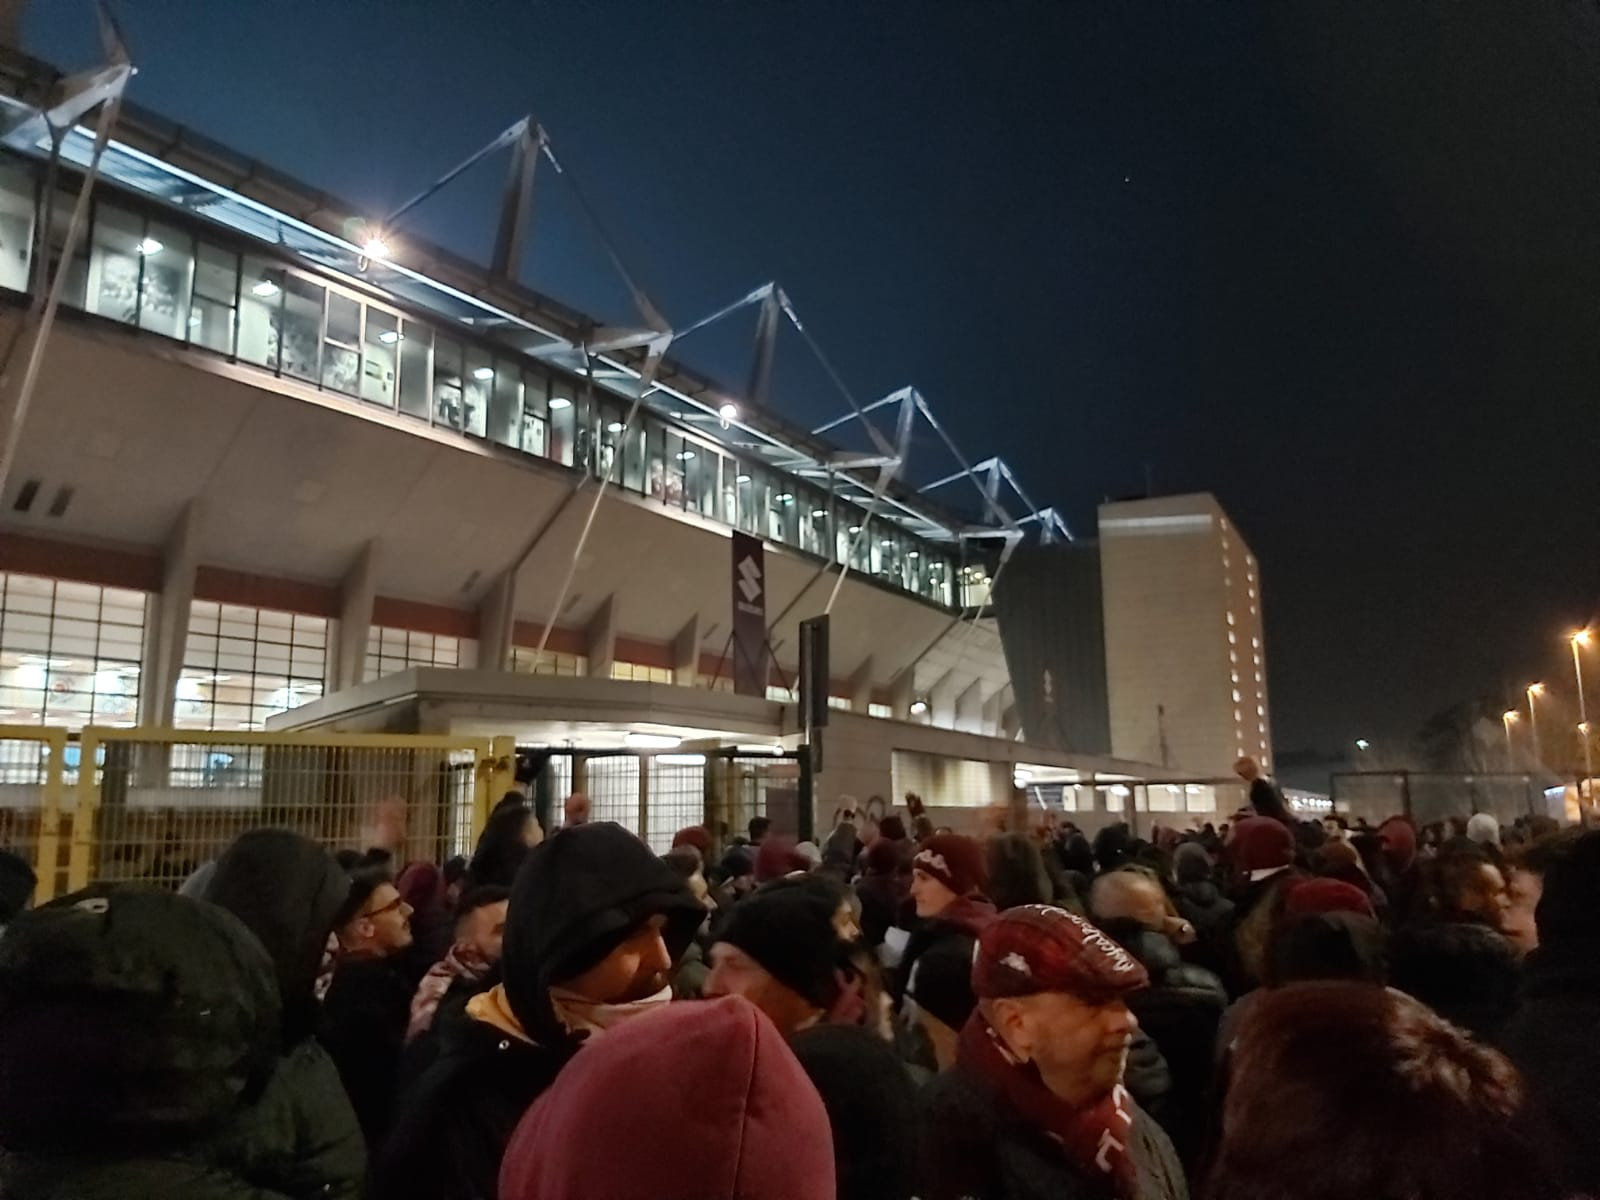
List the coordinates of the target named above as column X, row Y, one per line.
column 1338, row 264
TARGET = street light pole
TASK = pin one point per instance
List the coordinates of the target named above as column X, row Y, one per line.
column 1581, row 638
column 1508, row 719
column 1534, row 690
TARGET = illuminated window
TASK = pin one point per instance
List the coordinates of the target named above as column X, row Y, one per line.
column 530, row 661
column 69, row 652
column 781, row 694
column 242, row 665
column 879, row 710
column 639, row 673
column 1230, row 619
column 1236, row 696
column 393, row 650
column 842, row 703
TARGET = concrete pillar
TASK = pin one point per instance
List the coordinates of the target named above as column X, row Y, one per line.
column 969, row 708
column 686, row 654
column 602, row 638
column 861, row 687
column 167, row 618
column 903, row 692
column 496, row 619
column 356, row 594
column 992, row 708
column 942, row 701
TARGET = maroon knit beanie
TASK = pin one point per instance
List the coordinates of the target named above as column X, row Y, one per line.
column 955, row 861
column 1325, row 896
column 1260, row 844
column 697, row 836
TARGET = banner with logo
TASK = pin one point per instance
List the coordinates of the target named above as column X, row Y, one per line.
column 749, row 616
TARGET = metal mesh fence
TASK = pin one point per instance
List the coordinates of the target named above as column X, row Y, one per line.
column 32, row 766
column 1428, row 796
column 159, row 805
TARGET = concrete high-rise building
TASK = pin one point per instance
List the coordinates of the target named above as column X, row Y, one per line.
column 1186, row 673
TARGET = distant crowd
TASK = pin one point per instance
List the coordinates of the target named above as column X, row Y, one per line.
column 1300, row 1010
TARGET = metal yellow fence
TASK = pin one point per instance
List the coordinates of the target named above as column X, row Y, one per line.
column 151, row 805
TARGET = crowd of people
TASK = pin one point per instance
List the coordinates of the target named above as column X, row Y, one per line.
column 1302, row 1010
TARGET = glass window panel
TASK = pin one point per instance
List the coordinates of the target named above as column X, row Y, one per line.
column 447, row 397
column 505, row 405
column 301, row 327
column 478, row 383
column 341, row 350
column 563, row 423
column 633, row 455
column 75, row 276
column 702, row 480
column 16, row 225
column 610, row 435
column 416, row 388
column 114, row 263
column 168, row 260
column 216, row 286
column 81, row 607
column 728, row 503
column 675, row 462
column 379, row 357
column 259, row 305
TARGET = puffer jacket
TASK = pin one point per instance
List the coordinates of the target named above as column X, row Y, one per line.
column 287, row 890
column 138, row 1032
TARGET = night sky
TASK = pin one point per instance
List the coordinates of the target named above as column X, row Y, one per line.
column 1337, row 263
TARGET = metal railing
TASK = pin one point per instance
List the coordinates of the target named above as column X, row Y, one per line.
column 151, row 805
column 1428, row 796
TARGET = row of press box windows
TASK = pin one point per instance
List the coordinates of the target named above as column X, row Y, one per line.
column 256, row 310
column 70, row 654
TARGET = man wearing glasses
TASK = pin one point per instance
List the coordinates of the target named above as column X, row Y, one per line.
column 369, row 1001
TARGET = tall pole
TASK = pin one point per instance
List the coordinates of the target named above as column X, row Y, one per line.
column 1535, row 690
column 1581, row 638
column 1508, row 719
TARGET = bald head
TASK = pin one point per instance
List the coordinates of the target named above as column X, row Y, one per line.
column 1128, row 895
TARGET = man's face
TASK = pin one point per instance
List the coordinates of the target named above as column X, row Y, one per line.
column 1079, row 1048
column 637, row 968
column 1523, row 894
column 1485, row 895
column 929, row 894
column 484, row 929
column 384, row 925
column 844, row 923
column 735, row 973
column 576, row 811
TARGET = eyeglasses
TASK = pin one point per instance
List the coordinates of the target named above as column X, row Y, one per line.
column 389, row 907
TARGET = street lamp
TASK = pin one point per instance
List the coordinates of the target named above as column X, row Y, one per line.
column 1509, row 718
column 1581, row 638
column 1535, row 690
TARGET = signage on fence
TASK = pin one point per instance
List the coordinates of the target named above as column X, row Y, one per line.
column 749, row 616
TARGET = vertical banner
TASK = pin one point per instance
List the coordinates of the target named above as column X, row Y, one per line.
column 749, row 616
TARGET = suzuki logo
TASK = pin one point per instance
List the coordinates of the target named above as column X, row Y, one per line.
column 749, row 579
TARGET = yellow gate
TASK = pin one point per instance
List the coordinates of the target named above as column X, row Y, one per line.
column 33, row 767
column 152, row 805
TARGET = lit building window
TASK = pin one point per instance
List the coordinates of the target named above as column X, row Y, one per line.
column 392, row 650
column 880, row 710
column 530, row 661
column 1236, row 675
column 1230, row 619
column 1238, row 717
column 1256, row 642
column 69, row 652
column 242, row 665
column 1236, row 696
column 781, row 694
column 640, row 673
column 1233, row 638
column 842, row 703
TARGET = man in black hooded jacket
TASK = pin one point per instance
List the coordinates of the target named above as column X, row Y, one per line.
column 595, row 924
column 287, row 890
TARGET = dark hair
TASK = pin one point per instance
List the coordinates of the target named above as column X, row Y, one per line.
column 759, row 826
column 1389, row 1076
column 685, row 860
column 1539, row 855
column 1335, row 945
column 363, row 883
column 454, row 869
column 348, row 860
column 1016, row 872
column 480, row 897
column 500, row 848
column 512, row 799
column 1465, row 972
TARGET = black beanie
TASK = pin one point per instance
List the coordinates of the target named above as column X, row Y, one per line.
column 789, row 932
column 16, row 885
column 1571, row 893
column 941, row 980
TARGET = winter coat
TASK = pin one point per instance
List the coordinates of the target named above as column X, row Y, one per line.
column 880, row 896
column 586, row 887
column 1203, row 905
column 1464, row 970
column 113, row 1087
column 1180, row 1010
column 872, row 1109
column 1256, row 908
column 1268, row 801
column 287, row 890
column 964, row 918
column 1554, row 1040
column 977, row 1148
column 368, row 1008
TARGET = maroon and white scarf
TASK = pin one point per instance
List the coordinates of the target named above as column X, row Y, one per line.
column 1094, row 1139
column 461, row 961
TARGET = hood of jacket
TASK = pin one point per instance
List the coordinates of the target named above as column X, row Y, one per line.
column 131, row 1019
column 755, row 1130
column 968, row 914
column 287, row 890
column 580, row 893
